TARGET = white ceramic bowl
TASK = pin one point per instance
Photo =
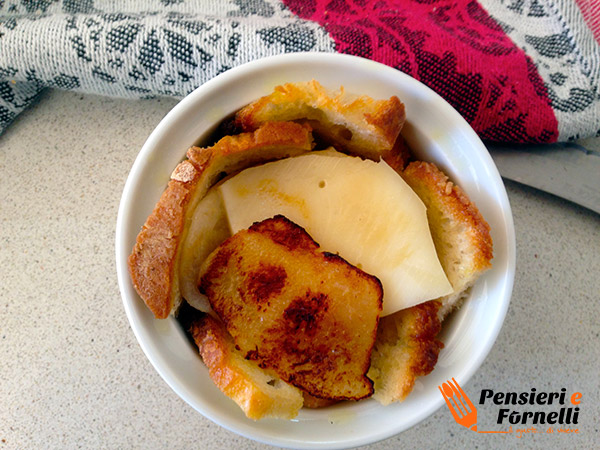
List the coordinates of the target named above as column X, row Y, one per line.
column 436, row 132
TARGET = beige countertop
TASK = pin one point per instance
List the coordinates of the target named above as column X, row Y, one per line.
column 74, row 376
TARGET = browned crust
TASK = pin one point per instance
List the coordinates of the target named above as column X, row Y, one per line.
column 389, row 117
column 398, row 157
column 153, row 263
column 437, row 191
column 214, row 345
column 423, row 327
column 252, row 388
column 268, row 135
column 247, row 117
column 283, row 231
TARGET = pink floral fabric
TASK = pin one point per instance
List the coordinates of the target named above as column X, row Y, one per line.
column 455, row 48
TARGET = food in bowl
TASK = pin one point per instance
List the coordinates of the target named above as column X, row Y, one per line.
column 299, row 119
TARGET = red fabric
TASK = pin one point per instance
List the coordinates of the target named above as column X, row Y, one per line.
column 590, row 9
column 452, row 46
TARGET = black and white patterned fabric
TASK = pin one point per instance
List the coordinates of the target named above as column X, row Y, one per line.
column 137, row 48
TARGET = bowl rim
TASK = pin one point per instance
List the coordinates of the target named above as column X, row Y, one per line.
column 124, row 216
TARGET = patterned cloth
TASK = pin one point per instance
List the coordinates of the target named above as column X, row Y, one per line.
column 517, row 70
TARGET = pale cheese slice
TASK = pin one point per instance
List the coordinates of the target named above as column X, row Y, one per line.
column 208, row 229
column 357, row 208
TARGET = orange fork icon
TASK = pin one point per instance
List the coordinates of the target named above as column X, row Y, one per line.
column 461, row 407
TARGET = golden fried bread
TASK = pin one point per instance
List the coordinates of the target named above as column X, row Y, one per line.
column 308, row 315
column 258, row 392
column 154, row 261
column 406, row 348
column 460, row 233
column 357, row 125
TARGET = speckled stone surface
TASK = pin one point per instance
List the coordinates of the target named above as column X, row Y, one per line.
column 74, row 376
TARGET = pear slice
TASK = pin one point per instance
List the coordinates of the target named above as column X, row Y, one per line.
column 361, row 209
column 208, row 229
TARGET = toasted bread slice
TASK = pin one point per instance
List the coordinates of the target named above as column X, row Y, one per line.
column 357, row 125
column 406, row 348
column 154, row 261
column 258, row 392
column 460, row 233
column 308, row 315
